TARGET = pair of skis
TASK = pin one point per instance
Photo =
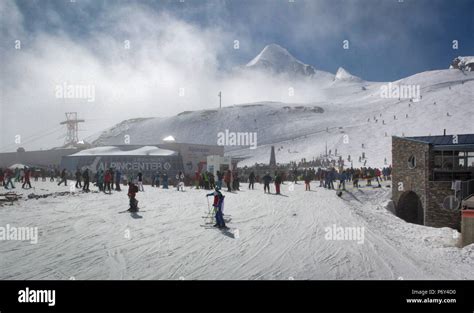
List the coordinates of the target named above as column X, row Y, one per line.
column 227, row 219
column 128, row 211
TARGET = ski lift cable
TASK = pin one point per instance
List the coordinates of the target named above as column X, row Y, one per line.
column 35, row 137
column 41, row 135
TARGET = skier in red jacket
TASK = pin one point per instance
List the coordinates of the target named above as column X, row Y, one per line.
column 377, row 176
column 219, row 207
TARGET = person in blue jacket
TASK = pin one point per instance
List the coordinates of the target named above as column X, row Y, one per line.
column 267, row 179
column 165, row 181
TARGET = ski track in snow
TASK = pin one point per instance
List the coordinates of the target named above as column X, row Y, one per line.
column 281, row 237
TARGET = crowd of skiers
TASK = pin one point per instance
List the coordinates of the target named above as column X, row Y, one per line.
column 111, row 178
column 231, row 180
column 327, row 177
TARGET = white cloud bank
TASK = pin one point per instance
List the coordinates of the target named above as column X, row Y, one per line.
column 171, row 66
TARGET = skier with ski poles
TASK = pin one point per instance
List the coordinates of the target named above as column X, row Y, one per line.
column 219, row 207
column 132, row 191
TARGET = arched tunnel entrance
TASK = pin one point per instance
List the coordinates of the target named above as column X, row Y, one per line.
column 409, row 208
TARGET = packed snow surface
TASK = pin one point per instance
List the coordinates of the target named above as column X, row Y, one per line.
column 82, row 236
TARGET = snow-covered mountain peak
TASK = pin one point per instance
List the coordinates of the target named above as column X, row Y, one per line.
column 343, row 74
column 274, row 54
column 277, row 59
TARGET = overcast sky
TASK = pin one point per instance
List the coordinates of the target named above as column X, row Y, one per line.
column 188, row 47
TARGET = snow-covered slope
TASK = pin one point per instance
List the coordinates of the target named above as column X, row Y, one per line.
column 272, row 121
column 82, row 236
column 362, row 117
column 354, row 113
column 348, row 114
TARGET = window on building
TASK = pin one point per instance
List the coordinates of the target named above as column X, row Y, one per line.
column 453, row 165
column 412, row 162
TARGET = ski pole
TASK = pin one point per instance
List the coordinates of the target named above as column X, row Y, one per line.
column 208, row 206
column 209, row 210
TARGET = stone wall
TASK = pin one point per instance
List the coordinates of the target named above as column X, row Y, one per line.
column 415, row 179
column 436, row 215
column 431, row 193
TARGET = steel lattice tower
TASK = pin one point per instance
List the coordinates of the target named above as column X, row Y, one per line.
column 72, row 126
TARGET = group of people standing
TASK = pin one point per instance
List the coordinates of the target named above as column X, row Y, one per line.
column 8, row 177
column 327, row 177
column 267, row 179
column 207, row 180
column 159, row 178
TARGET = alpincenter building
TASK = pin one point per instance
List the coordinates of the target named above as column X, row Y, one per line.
column 169, row 157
